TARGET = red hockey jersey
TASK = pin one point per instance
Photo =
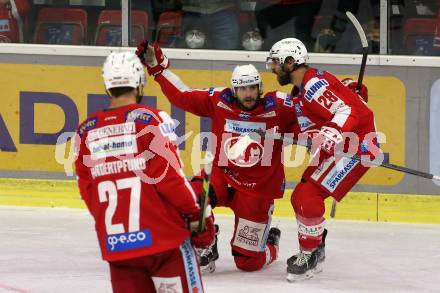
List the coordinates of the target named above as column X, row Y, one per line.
column 256, row 170
column 322, row 98
column 130, row 177
column 9, row 24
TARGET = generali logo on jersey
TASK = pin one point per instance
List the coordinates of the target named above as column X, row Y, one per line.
column 111, row 130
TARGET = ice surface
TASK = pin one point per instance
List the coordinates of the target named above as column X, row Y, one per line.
column 55, row 250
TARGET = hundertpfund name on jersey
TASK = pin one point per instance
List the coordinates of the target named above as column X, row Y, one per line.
column 130, row 240
column 115, row 167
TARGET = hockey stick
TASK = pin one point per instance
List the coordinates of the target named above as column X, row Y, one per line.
column 333, row 210
column 364, row 42
column 209, row 159
column 308, row 144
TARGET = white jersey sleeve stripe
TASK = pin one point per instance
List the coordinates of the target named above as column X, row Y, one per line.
column 341, row 115
column 175, row 80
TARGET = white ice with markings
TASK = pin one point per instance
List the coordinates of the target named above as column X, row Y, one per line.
column 55, row 250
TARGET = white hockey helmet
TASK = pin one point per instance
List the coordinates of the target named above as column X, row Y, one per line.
column 123, row 69
column 244, row 75
column 289, row 47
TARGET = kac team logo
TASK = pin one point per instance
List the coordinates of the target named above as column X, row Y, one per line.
column 246, row 154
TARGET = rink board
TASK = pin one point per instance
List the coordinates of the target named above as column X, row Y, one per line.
column 355, row 206
column 42, row 102
column 47, row 93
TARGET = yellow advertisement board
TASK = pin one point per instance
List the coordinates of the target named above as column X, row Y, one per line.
column 40, row 102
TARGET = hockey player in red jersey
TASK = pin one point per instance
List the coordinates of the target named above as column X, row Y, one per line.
column 130, row 177
column 245, row 177
column 328, row 112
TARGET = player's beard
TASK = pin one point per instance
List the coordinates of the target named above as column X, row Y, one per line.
column 283, row 78
column 242, row 106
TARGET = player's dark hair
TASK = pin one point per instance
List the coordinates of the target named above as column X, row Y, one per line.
column 119, row 91
column 288, row 59
column 295, row 66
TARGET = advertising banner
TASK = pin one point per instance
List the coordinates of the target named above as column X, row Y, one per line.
column 41, row 104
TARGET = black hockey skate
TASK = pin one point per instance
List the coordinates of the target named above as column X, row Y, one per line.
column 208, row 256
column 309, row 264
column 274, row 237
column 320, row 251
column 305, row 266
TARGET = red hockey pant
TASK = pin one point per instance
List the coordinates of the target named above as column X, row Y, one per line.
column 252, row 223
column 316, row 185
column 175, row 270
